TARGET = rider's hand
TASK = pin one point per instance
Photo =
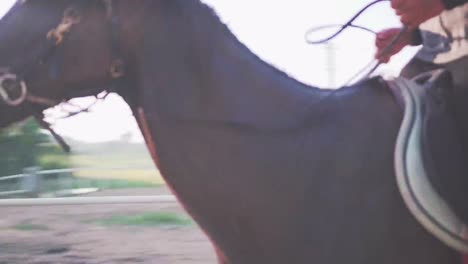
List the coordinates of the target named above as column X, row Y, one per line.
column 414, row 12
column 383, row 40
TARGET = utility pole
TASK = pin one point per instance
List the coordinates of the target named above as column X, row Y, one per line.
column 331, row 64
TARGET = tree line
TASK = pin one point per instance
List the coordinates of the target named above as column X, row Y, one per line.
column 27, row 145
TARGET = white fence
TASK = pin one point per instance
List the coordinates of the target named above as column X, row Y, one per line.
column 13, row 192
column 29, row 185
column 88, row 200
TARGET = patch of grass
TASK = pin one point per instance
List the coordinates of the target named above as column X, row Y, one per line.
column 115, row 154
column 53, row 161
column 103, row 184
column 148, row 219
column 135, row 175
column 117, row 158
column 26, row 226
column 147, row 173
column 110, row 184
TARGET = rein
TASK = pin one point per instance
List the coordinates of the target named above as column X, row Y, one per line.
column 373, row 65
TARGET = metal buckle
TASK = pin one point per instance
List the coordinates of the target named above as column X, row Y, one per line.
column 117, row 69
column 10, row 83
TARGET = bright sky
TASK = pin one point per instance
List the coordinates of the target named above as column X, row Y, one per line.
column 274, row 30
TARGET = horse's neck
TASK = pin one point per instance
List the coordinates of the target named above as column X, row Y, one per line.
column 196, row 69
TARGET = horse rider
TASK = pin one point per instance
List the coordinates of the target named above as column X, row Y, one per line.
column 440, row 26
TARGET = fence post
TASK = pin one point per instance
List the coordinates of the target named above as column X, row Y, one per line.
column 31, row 182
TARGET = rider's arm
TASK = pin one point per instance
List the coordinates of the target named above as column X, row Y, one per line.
column 449, row 4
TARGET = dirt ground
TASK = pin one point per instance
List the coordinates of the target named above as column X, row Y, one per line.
column 70, row 235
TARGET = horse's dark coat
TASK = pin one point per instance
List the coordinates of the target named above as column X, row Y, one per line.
column 273, row 170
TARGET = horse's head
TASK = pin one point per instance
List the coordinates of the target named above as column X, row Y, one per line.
column 51, row 51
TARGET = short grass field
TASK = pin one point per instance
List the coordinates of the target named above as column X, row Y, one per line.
column 117, row 160
column 162, row 219
column 108, row 165
column 28, row 226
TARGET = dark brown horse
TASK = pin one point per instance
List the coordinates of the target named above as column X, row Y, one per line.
column 272, row 170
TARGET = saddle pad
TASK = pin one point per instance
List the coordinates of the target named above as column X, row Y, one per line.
column 420, row 196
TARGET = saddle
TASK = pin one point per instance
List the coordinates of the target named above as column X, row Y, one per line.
column 430, row 158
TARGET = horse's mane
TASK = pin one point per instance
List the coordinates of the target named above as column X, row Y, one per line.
column 205, row 12
column 11, row 10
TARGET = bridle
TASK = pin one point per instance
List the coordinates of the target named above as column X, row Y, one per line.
column 14, row 89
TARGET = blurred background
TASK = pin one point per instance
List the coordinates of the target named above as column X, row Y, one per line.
column 109, row 158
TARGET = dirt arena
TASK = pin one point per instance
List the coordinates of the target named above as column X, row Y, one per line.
column 74, row 235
